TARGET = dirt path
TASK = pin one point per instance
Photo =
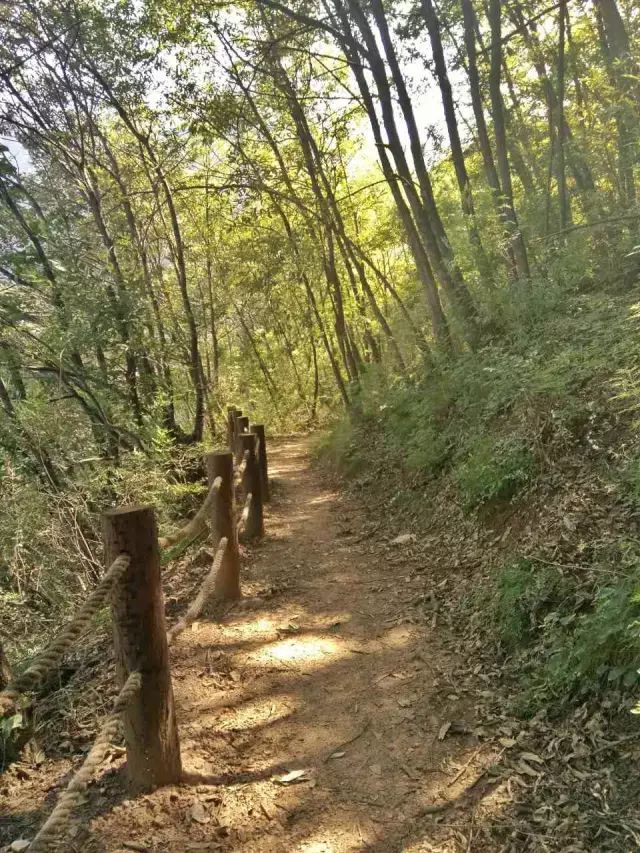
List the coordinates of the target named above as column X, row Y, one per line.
column 318, row 678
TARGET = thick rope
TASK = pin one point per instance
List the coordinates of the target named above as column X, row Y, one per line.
column 245, row 514
column 48, row 660
column 242, row 467
column 199, row 521
column 58, row 820
column 205, row 592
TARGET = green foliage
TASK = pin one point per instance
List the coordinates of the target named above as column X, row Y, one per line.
column 567, row 640
column 338, row 449
column 51, row 545
column 493, row 470
column 600, row 647
column 10, row 727
column 519, row 594
column 491, row 424
column 485, row 414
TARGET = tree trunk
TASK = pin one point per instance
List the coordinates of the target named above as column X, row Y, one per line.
column 624, row 77
column 424, row 209
column 423, row 267
column 563, row 194
column 457, row 154
column 195, row 365
column 509, row 214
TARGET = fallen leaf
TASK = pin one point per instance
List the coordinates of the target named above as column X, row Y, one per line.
column 291, row 628
column 337, row 755
column 404, row 539
column 507, row 742
column 292, row 777
column 523, row 767
column 444, row 728
column 531, row 756
column 198, row 813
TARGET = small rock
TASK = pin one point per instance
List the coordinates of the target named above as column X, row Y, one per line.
column 19, row 845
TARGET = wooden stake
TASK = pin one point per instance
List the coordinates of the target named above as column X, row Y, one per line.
column 223, row 524
column 140, row 636
column 262, row 461
column 252, row 484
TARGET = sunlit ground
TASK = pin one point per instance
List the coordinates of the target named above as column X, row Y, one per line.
column 308, row 649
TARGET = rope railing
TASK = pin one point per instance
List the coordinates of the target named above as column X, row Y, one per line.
column 37, row 672
column 207, row 588
column 242, row 467
column 199, row 521
column 242, row 521
column 134, row 582
column 58, row 821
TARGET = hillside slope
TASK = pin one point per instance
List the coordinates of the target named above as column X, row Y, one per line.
column 516, row 475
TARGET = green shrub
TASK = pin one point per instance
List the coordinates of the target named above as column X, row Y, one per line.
column 338, row 449
column 521, row 593
column 630, row 481
column 567, row 639
column 597, row 648
column 493, row 470
column 426, row 450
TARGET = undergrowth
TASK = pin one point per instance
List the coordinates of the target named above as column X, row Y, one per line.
column 566, row 640
column 558, row 397
column 51, row 544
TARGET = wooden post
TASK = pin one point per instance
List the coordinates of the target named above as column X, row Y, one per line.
column 242, row 426
column 262, row 461
column 252, row 483
column 236, row 413
column 231, row 412
column 223, row 524
column 140, row 636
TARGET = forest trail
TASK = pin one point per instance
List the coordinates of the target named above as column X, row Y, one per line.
column 318, row 670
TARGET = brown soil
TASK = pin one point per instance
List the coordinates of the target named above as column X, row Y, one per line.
column 322, row 668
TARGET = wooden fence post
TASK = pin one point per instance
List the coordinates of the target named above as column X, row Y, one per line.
column 231, row 413
column 262, row 461
column 140, row 637
column 223, row 524
column 237, row 413
column 252, row 483
column 242, row 426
